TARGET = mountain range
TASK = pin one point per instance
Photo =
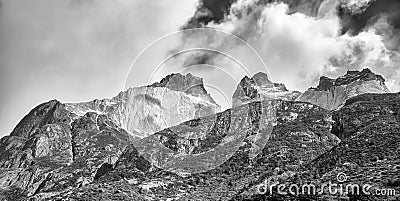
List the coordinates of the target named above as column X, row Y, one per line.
column 110, row 149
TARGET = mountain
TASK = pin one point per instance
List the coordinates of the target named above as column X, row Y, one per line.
column 333, row 93
column 259, row 88
column 81, row 151
column 60, row 146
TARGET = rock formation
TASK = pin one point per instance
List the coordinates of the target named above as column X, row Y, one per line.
column 333, row 93
column 145, row 110
column 81, row 152
column 260, row 88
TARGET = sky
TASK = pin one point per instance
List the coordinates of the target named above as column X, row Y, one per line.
column 75, row 50
column 80, row 50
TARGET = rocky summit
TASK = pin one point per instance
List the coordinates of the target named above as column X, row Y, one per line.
column 260, row 88
column 333, row 93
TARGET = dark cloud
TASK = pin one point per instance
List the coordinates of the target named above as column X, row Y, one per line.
column 377, row 11
column 355, row 23
column 200, row 58
column 209, row 11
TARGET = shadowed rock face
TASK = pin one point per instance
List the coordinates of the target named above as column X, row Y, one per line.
column 333, row 93
column 369, row 153
column 260, row 88
column 52, row 149
column 361, row 111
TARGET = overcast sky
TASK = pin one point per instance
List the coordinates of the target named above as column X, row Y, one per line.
column 75, row 50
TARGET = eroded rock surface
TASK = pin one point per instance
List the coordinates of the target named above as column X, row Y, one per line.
column 145, row 110
column 333, row 93
column 61, row 151
column 260, row 88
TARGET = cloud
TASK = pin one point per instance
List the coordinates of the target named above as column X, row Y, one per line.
column 301, row 41
column 295, row 47
column 209, row 11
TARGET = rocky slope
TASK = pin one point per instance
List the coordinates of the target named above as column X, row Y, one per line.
column 333, row 93
column 52, row 149
column 58, row 146
column 260, row 88
column 369, row 128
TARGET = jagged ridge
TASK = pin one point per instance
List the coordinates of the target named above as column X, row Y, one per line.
column 259, row 88
column 333, row 93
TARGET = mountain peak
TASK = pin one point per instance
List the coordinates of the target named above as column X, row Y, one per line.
column 188, row 83
column 259, row 87
column 333, row 93
column 351, row 76
column 261, row 79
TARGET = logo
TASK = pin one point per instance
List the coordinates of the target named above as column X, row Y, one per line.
column 343, row 188
column 341, row 177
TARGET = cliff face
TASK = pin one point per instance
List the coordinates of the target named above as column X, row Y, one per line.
column 333, row 93
column 260, row 88
column 53, row 149
column 146, row 110
column 369, row 153
column 188, row 83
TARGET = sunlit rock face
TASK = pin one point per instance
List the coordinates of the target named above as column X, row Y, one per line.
column 145, row 110
column 260, row 88
column 333, row 93
column 188, row 83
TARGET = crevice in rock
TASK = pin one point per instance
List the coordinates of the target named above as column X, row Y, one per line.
column 42, row 184
column 104, row 169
